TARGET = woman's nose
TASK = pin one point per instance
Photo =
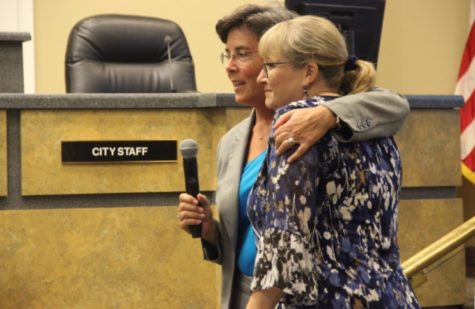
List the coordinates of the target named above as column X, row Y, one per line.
column 262, row 78
column 231, row 65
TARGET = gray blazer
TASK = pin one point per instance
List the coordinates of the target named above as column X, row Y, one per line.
column 382, row 112
column 232, row 153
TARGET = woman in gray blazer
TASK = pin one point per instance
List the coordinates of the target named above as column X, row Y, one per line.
column 229, row 241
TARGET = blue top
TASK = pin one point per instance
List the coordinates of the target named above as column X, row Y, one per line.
column 247, row 243
column 326, row 224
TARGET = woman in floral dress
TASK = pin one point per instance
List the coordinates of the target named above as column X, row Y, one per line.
column 326, row 224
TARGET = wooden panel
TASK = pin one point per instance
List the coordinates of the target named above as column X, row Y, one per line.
column 467, row 192
column 430, row 148
column 422, row 222
column 102, row 258
column 43, row 131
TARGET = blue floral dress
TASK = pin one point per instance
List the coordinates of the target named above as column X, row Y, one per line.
column 326, row 224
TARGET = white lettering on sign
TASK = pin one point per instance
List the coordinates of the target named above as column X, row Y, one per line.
column 121, row 151
column 103, row 151
column 132, row 151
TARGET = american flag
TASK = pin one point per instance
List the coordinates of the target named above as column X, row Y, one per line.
column 466, row 87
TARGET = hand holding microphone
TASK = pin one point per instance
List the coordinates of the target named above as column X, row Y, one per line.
column 188, row 209
column 190, row 215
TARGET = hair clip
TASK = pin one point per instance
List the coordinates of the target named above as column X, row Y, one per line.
column 350, row 64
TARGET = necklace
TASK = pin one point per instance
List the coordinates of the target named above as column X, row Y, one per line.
column 259, row 137
column 264, row 131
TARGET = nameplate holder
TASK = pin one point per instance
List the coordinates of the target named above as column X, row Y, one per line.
column 73, row 152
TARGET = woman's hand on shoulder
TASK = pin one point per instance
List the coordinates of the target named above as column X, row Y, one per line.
column 190, row 213
column 305, row 126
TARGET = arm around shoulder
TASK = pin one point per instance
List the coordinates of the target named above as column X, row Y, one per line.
column 367, row 115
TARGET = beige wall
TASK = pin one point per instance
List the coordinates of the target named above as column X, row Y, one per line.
column 420, row 52
column 422, row 45
column 55, row 18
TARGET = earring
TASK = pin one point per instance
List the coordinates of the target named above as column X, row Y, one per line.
column 305, row 92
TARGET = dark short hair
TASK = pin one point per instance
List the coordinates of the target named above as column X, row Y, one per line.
column 256, row 18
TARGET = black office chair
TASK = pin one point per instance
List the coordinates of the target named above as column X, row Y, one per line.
column 123, row 53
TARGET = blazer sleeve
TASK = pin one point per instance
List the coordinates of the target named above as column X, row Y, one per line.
column 367, row 115
column 212, row 252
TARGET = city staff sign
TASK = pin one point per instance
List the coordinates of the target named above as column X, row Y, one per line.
column 118, row 151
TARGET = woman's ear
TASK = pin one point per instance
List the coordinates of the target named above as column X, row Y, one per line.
column 311, row 74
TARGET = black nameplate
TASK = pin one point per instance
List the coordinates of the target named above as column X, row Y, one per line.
column 118, row 151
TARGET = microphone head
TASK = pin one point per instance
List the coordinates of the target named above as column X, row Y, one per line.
column 168, row 39
column 188, row 148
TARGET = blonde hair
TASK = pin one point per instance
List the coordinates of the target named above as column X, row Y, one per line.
column 311, row 38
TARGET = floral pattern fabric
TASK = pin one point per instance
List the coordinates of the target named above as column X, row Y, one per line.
column 326, row 224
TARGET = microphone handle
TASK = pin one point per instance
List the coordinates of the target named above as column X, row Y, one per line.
column 192, row 188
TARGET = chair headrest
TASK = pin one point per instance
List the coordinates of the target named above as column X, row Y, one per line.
column 117, row 45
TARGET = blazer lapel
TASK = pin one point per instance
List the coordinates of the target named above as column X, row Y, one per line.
column 237, row 159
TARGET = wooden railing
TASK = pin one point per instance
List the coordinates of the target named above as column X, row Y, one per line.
column 433, row 255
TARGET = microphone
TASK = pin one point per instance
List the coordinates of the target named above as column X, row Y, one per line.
column 168, row 40
column 189, row 149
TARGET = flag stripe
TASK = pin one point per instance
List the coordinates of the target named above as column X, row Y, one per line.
column 467, row 140
column 468, row 52
column 466, row 84
column 467, row 113
column 469, row 160
column 466, row 87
